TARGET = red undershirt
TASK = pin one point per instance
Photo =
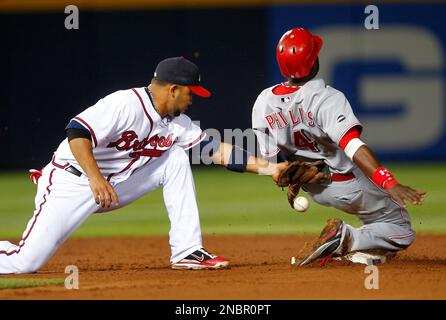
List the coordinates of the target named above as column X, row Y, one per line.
column 353, row 133
column 283, row 88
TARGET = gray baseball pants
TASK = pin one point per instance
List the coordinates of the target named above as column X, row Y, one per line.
column 386, row 226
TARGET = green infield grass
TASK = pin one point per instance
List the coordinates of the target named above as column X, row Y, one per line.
column 16, row 283
column 230, row 203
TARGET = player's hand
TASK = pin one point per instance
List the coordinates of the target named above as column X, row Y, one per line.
column 279, row 168
column 103, row 192
column 401, row 193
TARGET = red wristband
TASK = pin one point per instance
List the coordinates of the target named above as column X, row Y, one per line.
column 383, row 178
column 389, row 183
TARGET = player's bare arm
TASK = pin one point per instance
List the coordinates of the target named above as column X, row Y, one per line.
column 226, row 151
column 103, row 192
column 284, row 174
column 366, row 160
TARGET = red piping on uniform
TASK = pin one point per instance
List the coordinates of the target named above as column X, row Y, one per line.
column 89, row 128
column 401, row 209
column 151, row 127
column 145, row 110
column 53, row 162
column 35, row 218
column 407, row 235
column 195, row 141
column 136, row 169
column 127, row 167
column 391, row 199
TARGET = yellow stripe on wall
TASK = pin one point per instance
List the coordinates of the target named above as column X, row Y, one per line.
column 46, row 5
column 54, row 5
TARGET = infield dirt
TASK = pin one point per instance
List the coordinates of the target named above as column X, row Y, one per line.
column 138, row 268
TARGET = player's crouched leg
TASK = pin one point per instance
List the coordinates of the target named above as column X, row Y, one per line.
column 381, row 235
column 30, row 264
column 16, row 260
column 180, row 200
column 185, row 232
column 403, row 238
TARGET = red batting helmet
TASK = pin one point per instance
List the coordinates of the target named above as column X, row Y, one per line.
column 296, row 52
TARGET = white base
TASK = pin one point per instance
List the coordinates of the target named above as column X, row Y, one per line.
column 360, row 257
column 363, row 258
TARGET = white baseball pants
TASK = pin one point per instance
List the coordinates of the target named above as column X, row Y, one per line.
column 64, row 201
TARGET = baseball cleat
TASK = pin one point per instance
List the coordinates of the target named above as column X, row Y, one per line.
column 328, row 244
column 201, row 259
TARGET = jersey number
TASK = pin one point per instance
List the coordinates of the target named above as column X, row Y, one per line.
column 302, row 142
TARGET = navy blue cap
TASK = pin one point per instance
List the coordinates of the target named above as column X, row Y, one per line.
column 179, row 70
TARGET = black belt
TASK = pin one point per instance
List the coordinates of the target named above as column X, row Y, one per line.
column 73, row 170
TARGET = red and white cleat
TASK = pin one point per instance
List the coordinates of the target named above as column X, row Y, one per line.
column 329, row 244
column 201, row 259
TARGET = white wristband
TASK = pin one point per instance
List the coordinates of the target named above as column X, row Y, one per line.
column 353, row 146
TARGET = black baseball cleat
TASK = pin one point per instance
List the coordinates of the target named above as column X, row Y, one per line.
column 329, row 243
column 201, row 259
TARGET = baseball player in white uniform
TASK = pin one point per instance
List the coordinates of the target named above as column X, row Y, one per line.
column 126, row 145
column 306, row 119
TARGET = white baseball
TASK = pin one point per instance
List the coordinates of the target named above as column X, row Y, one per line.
column 301, row 204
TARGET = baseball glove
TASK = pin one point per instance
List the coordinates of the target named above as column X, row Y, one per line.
column 298, row 172
column 293, row 191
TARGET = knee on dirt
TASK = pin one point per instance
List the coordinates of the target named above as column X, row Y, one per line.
column 404, row 242
column 29, row 264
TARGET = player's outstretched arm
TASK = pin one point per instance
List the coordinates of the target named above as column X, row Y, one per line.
column 103, row 192
column 239, row 160
column 366, row 160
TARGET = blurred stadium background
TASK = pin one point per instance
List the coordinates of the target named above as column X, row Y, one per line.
column 394, row 78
